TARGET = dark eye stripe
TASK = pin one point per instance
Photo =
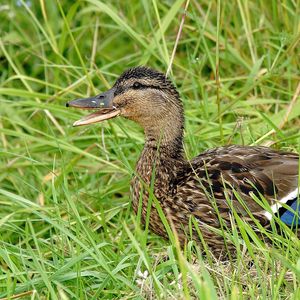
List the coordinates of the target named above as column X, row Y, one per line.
column 137, row 85
column 120, row 89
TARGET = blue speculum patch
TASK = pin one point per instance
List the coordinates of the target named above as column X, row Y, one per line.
column 291, row 217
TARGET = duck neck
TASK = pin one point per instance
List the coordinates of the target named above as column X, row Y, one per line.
column 157, row 166
column 163, row 150
column 165, row 134
column 160, row 160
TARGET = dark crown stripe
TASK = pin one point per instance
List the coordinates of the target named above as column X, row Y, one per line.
column 141, row 73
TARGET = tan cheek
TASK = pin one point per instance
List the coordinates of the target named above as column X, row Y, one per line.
column 129, row 111
column 124, row 104
column 118, row 101
column 132, row 106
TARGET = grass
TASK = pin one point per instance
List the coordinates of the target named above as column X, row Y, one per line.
column 67, row 230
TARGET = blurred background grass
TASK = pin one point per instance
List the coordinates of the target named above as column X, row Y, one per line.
column 66, row 227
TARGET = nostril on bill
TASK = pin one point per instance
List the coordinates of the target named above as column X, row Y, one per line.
column 67, row 104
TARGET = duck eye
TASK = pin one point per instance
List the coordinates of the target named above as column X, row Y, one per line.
column 137, row 85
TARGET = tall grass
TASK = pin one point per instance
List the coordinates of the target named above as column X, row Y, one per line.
column 67, row 230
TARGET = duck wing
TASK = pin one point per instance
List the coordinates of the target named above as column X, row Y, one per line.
column 246, row 170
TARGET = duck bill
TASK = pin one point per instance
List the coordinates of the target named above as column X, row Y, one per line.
column 103, row 103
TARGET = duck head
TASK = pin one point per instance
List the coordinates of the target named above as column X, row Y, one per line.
column 140, row 94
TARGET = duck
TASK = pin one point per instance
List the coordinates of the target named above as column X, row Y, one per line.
column 258, row 184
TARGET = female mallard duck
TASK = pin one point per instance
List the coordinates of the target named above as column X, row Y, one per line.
column 205, row 187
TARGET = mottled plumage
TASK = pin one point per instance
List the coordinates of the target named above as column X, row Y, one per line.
column 209, row 186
